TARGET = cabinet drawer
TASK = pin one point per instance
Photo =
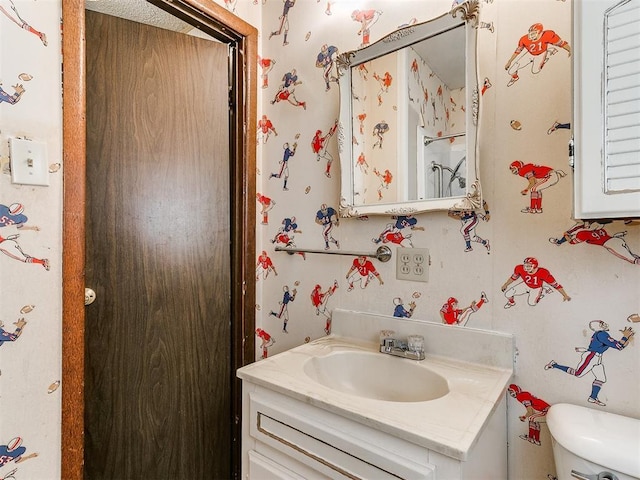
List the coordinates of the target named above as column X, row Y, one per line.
column 332, row 445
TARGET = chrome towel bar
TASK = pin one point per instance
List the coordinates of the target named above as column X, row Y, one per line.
column 429, row 140
column 382, row 254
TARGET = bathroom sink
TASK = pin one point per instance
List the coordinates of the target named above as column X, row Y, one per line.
column 376, row 376
column 444, row 403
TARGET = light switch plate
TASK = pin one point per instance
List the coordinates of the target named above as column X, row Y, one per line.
column 413, row 264
column 29, row 164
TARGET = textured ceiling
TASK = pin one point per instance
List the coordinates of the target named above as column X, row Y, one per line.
column 138, row 11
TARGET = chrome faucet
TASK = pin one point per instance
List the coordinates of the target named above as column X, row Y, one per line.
column 403, row 348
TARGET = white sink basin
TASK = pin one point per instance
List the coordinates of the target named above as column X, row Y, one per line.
column 376, row 376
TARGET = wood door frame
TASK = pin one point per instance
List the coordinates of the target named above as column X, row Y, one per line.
column 218, row 22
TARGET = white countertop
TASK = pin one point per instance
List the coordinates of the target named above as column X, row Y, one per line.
column 450, row 425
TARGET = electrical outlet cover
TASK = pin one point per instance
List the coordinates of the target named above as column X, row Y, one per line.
column 412, row 264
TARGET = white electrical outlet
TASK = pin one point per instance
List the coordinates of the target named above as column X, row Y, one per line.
column 412, row 264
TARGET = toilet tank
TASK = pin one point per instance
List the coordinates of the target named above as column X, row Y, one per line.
column 606, row 439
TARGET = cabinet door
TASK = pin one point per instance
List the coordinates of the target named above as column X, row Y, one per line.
column 262, row 468
column 607, row 108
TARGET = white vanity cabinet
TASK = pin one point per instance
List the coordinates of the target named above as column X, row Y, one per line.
column 286, row 438
column 338, row 408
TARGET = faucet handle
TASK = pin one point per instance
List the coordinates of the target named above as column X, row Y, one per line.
column 415, row 343
column 385, row 334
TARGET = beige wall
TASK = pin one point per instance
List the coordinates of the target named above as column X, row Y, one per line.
column 30, row 362
column 601, row 286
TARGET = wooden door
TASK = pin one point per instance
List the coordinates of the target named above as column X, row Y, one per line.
column 158, row 342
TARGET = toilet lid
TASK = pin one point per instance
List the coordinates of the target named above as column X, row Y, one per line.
column 606, row 439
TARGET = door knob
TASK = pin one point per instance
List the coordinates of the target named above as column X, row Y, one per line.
column 89, row 296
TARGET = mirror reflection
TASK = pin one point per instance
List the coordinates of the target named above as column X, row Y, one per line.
column 406, row 111
column 411, row 98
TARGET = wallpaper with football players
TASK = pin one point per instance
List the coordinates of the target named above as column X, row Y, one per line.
column 30, row 243
column 520, row 264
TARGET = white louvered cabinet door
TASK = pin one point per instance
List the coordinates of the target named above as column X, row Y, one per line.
column 606, row 119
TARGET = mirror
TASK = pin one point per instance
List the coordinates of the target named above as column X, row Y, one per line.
column 409, row 118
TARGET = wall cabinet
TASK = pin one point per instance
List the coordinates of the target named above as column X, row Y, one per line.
column 286, row 438
column 606, row 118
column 430, row 159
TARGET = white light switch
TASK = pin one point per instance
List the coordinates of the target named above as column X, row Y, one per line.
column 28, row 162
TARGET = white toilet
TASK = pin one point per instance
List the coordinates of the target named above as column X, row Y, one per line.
column 592, row 444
